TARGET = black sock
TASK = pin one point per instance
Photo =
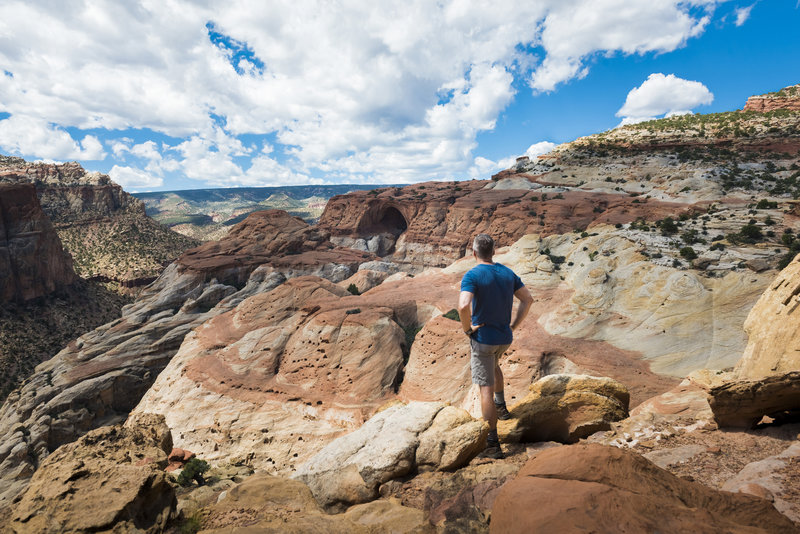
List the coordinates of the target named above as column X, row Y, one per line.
column 499, row 397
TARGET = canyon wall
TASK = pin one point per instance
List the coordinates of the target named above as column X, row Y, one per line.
column 32, row 262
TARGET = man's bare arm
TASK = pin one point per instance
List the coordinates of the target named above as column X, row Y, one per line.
column 465, row 311
column 525, row 301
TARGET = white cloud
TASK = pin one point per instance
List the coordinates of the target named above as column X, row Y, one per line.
column 134, row 179
column 742, row 14
column 27, row 135
column 574, row 31
column 537, row 149
column 663, row 95
column 389, row 91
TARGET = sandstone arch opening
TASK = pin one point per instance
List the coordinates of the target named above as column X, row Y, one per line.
column 380, row 227
column 388, row 220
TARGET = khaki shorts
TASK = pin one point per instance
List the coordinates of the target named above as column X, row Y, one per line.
column 483, row 360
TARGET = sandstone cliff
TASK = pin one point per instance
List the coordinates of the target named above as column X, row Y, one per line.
column 104, row 228
column 32, row 262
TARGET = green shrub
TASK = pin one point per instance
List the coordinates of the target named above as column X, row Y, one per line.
column 765, row 204
column 668, row 226
column 193, row 470
column 353, row 311
column 751, row 231
column 353, row 289
column 688, row 253
column 452, row 315
column 411, row 332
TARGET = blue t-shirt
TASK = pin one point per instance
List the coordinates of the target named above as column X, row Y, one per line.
column 493, row 287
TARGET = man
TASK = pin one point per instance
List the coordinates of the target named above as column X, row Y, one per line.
column 484, row 307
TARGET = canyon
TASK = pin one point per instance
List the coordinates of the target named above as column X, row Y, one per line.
column 316, row 369
column 104, row 228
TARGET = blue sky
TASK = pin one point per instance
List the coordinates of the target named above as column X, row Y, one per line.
column 185, row 95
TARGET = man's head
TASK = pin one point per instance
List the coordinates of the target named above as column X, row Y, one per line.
column 483, row 247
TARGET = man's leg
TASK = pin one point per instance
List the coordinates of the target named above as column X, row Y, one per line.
column 498, row 378
column 499, row 400
column 482, row 362
column 488, row 410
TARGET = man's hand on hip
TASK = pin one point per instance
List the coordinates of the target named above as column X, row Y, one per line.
column 473, row 328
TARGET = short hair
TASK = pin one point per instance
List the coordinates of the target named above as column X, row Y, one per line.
column 483, row 245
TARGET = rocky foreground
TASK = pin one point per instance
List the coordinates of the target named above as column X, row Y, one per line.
column 654, row 385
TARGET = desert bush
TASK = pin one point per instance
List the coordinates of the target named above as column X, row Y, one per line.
column 193, row 471
column 452, row 315
column 353, row 289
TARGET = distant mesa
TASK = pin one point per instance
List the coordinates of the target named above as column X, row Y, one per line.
column 787, row 98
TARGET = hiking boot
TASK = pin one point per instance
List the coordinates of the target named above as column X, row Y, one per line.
column 502, row 411
column 493, row 450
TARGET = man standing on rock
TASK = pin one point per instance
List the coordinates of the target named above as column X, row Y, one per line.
column 484, row 307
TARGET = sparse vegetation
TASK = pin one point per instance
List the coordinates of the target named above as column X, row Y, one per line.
column 353, row 289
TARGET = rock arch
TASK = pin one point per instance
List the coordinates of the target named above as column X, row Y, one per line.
column 383, row 220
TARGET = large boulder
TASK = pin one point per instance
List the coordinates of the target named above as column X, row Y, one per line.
column 743, row 403
column 110, row 479
column 566, row 408
column 391, row 444
column 599, row 489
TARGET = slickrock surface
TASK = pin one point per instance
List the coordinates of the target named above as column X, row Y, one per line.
column 104, row 228
column 110, row 479
column 565, row 408
column 276, row 238
column 592, row 488
column 433, row 224
column 244, row 376
column 678, row 320
column 32, row 261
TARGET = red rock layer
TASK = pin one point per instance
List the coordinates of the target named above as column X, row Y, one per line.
column 32, row 262
column 445, row 216
column 267, row 237
column 773, row 102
